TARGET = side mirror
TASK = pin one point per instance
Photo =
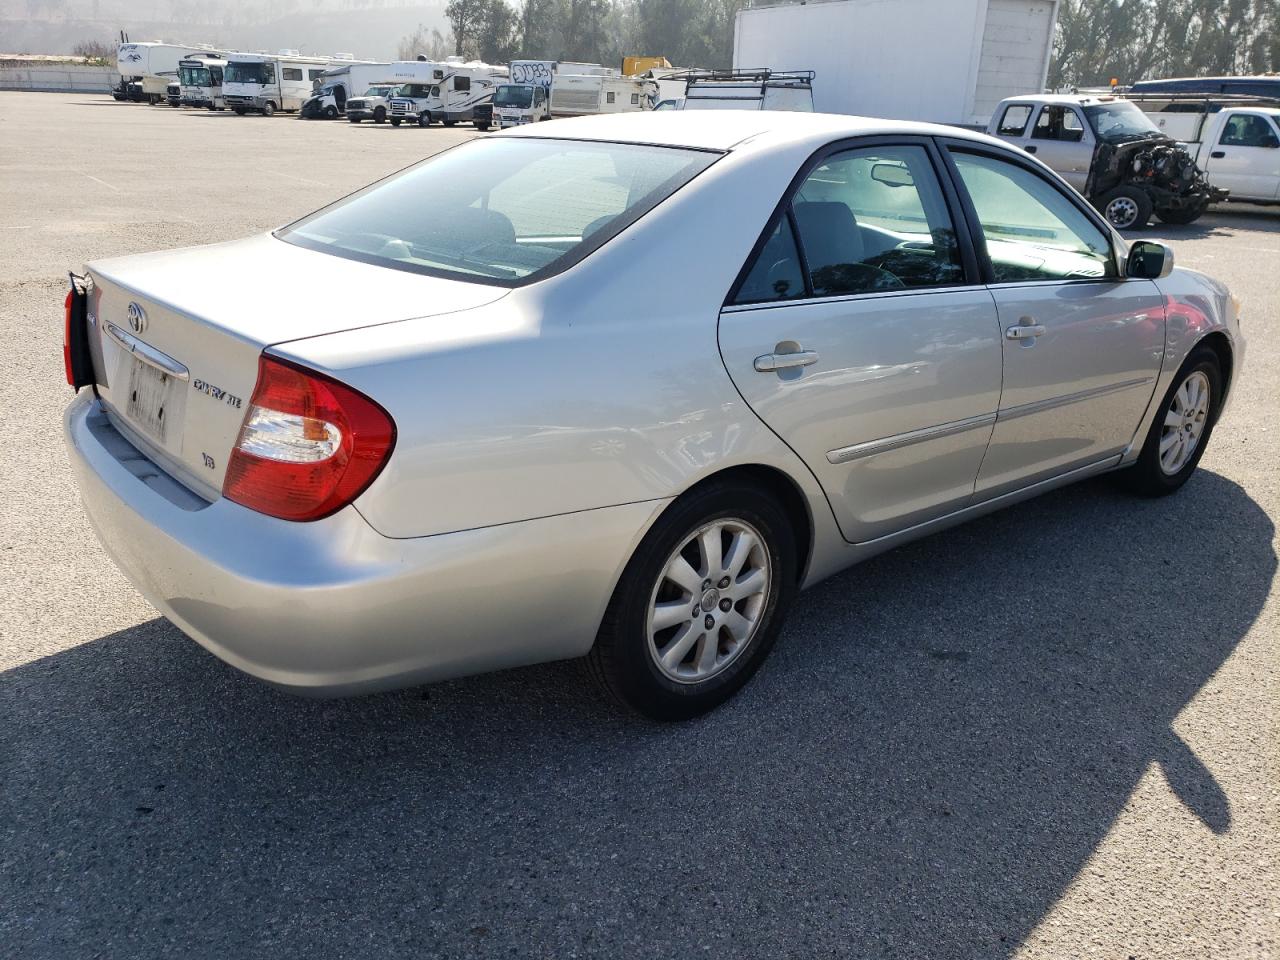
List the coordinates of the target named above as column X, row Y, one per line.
column 1149, row 260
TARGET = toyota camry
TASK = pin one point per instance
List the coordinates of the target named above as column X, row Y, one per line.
column 617, row 388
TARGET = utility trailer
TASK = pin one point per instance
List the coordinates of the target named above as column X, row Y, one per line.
column 948, row 61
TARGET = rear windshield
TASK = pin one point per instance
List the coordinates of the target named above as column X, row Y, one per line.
column 505, row 211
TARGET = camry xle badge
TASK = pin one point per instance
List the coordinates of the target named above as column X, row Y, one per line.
column 137, row 318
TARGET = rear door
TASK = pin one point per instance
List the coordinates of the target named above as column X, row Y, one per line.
column 860, row 333
column 1082, row 345
column 1246, row 157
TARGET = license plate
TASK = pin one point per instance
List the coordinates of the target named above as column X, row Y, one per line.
column 148, row 394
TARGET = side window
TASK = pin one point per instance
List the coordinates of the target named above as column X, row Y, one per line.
column 776, row 273
column 1032, row 231
column 635, row 98
column 1014, row 122
column 461, row 84
column 269, row 74
column 875, row 219
column 609, row 97
column 315, row 74
column 1058, row 123
column 291, row 73
column 1247, row 130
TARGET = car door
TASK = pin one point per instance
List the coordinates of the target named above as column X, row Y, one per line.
column 1082, row 344
column 861, row 334
column 1063, row 142
column 1246, row 158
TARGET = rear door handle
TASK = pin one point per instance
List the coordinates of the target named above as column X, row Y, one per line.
column 785, row 361
column 1030, row 148
column 1218, row 154
column 1027, row 331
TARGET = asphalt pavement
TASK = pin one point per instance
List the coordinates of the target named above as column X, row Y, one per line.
column 1053, row 732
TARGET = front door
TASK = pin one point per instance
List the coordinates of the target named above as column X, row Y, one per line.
column 860, row 336
column 1082, row 345
column 1063, row 142
column 1246, row 158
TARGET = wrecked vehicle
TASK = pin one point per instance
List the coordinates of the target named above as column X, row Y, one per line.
column 1112, row 152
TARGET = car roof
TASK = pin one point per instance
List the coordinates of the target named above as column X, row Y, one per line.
column 726, row 129
column 1078, row 99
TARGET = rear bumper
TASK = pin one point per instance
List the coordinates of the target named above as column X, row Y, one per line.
column 333, row 607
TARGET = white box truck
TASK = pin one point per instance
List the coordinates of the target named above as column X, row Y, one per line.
column 266, row 83
column 949, row 61
column 151, row 66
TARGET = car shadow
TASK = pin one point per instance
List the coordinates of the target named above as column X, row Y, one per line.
column 1219, row 221
column 938, row 744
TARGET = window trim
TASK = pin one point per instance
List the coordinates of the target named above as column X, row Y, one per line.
column 948, row 145
column 1026, row 124
column 968, row 253
column 1086, row 131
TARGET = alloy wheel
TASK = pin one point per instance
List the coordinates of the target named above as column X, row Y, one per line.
column 1184, row 422
column 709, row 600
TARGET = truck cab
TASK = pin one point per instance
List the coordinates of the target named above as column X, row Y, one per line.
column 1236, row 141
column 1112, row 153
column 372, row 104
column 519, row 103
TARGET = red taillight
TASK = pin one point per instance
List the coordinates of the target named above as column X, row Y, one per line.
column 309, row 445
column 66, row 341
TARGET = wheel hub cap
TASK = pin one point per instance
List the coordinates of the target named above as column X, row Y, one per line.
column 1184, row 422
column 709, row 600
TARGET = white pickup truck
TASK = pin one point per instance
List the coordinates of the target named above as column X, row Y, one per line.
column 1113, row 153
column 1238, row 147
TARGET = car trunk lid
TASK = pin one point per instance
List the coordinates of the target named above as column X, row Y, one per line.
column 176, row 336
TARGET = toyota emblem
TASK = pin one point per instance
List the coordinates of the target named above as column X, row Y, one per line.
column 137, row 318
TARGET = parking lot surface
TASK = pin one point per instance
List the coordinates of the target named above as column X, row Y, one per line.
column 1053, row 732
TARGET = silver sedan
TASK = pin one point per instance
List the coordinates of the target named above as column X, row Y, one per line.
column 618, row 387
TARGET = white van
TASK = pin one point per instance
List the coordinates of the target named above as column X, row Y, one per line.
column 266, row 83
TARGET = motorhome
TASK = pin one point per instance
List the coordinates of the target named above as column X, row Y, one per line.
column 457, row 88
column 579, row 92
column 949, row 61
column 201, row 82
column 267, row 83
column 746, row 89
column 338, row 85
column 152, row 65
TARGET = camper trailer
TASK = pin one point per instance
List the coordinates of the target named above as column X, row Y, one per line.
column 200, row 80
column 267, row 83
column 152, row 66
column 338, row 85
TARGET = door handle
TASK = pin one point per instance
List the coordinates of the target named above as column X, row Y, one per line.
column 1025, row 331
column 785, row 361
column 1030, row 148
column 1218, row 154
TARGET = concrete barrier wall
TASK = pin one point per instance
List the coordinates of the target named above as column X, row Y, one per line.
column 60, row 78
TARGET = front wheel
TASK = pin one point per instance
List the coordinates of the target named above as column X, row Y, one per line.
column 331, row 113
column 700, row 604
column 268, row 109
column 1126, row 208
column 1181, row 430
column 482, row 126
column 379, row 115
column 1181, row 216
column 239, row 111
column 395, row 121
column 354, row 119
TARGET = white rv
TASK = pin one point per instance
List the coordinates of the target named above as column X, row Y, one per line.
column 581, row 89
column 459, row 92
column 949, row 61
column 265, row 83
column 152, row 65
column 339, row 84
column 201, row 82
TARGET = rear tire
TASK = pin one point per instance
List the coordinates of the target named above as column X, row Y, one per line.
column 673, row 650
column 1126, row 208
column 1181, row 429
